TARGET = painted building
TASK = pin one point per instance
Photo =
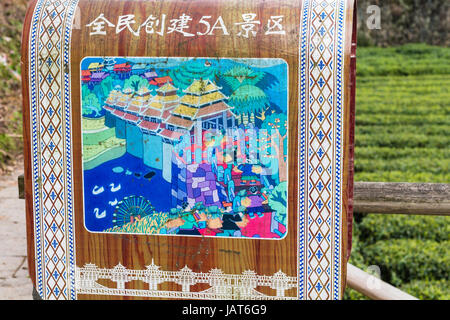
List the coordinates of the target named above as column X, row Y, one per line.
column 123, row 70
column 86, row 76
column 150, row 76
column 160, row 81
column 95, row 67
column 152, row 125
column 201, row 109
column 139, row 68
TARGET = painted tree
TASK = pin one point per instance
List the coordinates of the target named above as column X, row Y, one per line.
column 135, row 82
column 103, row 89
column 248, row 100
column 278, row 201
column 275, row 144
column 187, row 72
column 246, row 87
column 90, row 105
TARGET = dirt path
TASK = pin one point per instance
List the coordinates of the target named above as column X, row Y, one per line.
column 15, row 283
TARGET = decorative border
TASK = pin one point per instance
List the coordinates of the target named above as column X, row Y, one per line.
column 221, row 286
column 320, row 161
column 321, row 131
column 241, row 60
column 51, row 137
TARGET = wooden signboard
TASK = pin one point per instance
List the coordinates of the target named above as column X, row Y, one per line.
column 188, row 149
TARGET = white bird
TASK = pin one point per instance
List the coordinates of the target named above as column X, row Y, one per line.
column 114, row 188
column 99, row 215
column 113, row 203
column 97, row 190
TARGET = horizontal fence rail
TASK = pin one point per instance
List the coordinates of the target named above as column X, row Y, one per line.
column 373, row 287
column 402, row 198
column 386, row 197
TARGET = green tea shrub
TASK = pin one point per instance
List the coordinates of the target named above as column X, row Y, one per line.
column 404, row 260
column 376, row 227
column 428, row 290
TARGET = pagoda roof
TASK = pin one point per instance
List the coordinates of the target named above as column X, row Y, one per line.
column 149, row 112
column 131, row 117
column 133, row 108
column 213, row 109
column 113, row 95
column 143, row 90
column 200, row 87
column 185, row 111
column 85, row 73
column 95, row 65
column 166, row 114
column 161, row 80
column 111, row 101
column 99, row 75
column 201, row 100
column 148, row 125
column 108, row 108
column 180, row 122
column 137, row 99
column 172, row 135
column 159, row 102
column 122, row 104
column 122, row 65
column 151, row 74
column 119, row 113
column 168, row 87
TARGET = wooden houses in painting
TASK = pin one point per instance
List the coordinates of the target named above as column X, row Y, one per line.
column 152, row 125
column 123, row 70
column 98, row 77
column 86, row 76
column 93, row 77
column 95, row 67
column 139, row 68
column 160, row 81
column 150, row 76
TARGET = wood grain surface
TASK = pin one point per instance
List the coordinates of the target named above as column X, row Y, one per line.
column 232, row 256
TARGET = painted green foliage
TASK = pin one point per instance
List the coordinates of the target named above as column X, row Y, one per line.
column 247, row 95
column 276, row 125
column 135, row 83
column 278, row 201
column 90, row 104
column 192, row 70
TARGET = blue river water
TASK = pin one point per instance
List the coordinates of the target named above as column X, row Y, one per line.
column 109, row 183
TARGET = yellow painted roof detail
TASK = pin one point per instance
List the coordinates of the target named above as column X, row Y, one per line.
column 190, row 99
column 184, row 110
column 143, row 90
column 95, row 65
column 165, row 99
column 203, row 99
column 210, row 97
column 156, row 105
column 167, row 88
column 201, row 86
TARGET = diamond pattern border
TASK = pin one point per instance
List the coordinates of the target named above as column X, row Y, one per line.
column 51, row 146
column 320, row 149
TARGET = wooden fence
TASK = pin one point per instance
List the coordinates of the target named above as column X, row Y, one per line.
column 383, row 198
column 394, row 198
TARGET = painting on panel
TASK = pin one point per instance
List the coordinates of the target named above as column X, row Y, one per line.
column 185, row 146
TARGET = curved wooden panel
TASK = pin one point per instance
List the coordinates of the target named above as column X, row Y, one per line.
column 195, row 150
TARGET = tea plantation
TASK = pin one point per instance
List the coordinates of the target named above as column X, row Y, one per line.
column 403, row 135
